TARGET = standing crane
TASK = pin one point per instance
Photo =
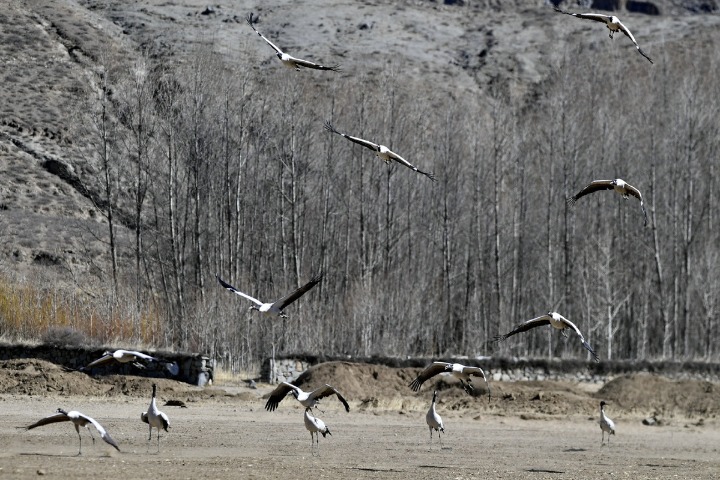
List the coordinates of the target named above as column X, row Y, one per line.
column 155, row 418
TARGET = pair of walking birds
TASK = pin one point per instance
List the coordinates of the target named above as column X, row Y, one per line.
column 153, row 417
column 435, row 422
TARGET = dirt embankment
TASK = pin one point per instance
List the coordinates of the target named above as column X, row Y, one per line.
column 385, row 388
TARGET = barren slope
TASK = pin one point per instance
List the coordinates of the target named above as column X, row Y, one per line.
column 53, row 52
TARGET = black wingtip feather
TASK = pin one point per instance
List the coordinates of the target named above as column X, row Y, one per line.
column 329, row 127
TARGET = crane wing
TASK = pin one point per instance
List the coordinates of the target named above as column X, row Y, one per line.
column 402, row 161
column 316, row 66
column 628, row 34
column 58, row 417
column 103, row 434
column 250, row 22
column 107, row 358
column 525, row 326
column 475, row 372
column 582, row 338
column 326, row 391
column 598, row 17
column 365, row 143
column 290, row 298
column 636, row 193
column 236, row 291
column 593, row 186
column 143, row 356
column 478, row 372
column 429, row 372
column 278, row 394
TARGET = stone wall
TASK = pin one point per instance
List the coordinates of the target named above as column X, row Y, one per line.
column 288, row 368
column 283, row 370
column 194, row 368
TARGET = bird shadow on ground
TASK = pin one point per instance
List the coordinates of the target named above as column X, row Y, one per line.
column 69, row 455
column 575, row 450
column 369, row 469
column 543, row 470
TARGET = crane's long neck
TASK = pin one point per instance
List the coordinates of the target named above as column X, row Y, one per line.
column 153, row 405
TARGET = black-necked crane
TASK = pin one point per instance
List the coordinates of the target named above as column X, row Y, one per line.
column 556, row 321
column 155, row 418
column 78, row 420
column 606, row 425
column 457, row 370
column 131, row 356
column 315, row 426
column 307, row 399
column 288, row 60
column 277, row 306
column 434, row 420
column 619, row 185
column 613, row 24
column 382, row 152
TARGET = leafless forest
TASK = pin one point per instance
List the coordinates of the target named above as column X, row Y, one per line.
column 230, row 171
column 209, row 167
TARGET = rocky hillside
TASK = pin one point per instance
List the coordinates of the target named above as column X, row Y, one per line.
column 52, row 215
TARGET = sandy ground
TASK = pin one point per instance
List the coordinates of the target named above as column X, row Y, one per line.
column 226, row 437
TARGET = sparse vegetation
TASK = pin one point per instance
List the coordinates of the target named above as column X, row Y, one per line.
column 208, row 165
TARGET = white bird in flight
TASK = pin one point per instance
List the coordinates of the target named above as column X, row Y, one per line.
column 316, row 426
column 382, row 152
column 307, row 399
column 277, row 306
column 434, row 420
column 457, row 370
column 131, row 356
column 557, row 321
column 606, row 425
column 288, row 60
column 613, row 24
column 78, row 420
column 155, row 419
column 618, row 185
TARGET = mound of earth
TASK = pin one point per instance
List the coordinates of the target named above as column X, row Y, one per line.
column 646, row 393
column 378, row 386
column 39, row 377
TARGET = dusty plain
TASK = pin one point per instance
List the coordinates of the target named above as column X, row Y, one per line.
column 225, row 431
